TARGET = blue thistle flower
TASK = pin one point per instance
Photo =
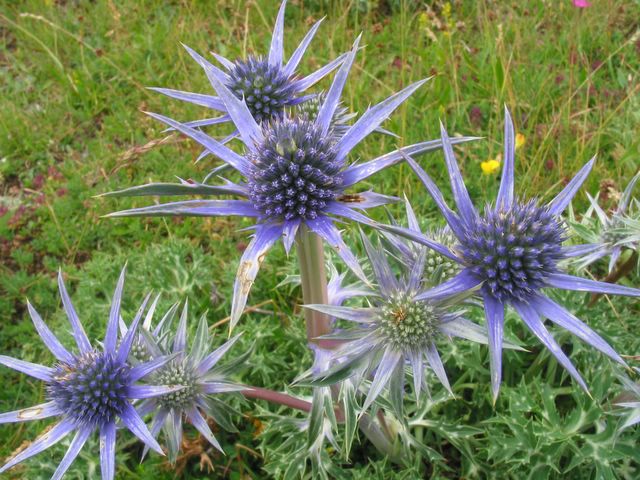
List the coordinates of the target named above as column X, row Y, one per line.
column 398, row 327
column 511, row 252
column 614, row 233
column 268, row 85
column 198, row 372
column 91, row 390
column 296, row 177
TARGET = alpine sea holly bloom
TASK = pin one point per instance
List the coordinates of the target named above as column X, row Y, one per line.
column 267, row 83
column 438, row 268
column 90, row 390
column 398, row 327
column 139, row 351
column 511, row 251
column 198, row 372
column 615, row 232
column 295, row 175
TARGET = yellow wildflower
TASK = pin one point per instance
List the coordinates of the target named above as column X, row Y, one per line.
column 520, row 140
column 491, row 166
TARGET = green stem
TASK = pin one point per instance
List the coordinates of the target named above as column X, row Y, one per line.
column 313, row 277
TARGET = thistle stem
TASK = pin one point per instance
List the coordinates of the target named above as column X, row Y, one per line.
column 284, row 399
column 372, row 431
column 620, row 272
column 313, row 277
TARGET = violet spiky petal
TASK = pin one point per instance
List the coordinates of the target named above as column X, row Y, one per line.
column 513, row 250
column 90, row 390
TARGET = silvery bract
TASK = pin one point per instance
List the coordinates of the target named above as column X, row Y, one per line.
column 203, row 379
column 610, row 234
column 397, row 327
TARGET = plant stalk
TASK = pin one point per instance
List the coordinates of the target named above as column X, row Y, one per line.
column 313, row 277
column 372, row 431
column 618, row 273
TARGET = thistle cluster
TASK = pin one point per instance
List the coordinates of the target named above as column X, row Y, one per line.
column 407, row 324
column 419, row 289
column 438, row 267
column 310, row 109
column 92, row 389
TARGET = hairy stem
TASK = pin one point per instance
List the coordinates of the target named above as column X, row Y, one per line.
column 313, row 278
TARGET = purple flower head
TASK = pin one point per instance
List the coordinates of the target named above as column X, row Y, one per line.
column 400, row 325
column 512, row 251
column 611, row 234
column 296, row 175
column 197, row 370
column 268, row 84
column 89, row 391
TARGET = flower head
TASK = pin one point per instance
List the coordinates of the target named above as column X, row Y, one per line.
column 296, row 175
column 400, row 326
column 491, row 166
column 200, row 375
column 91, row 390
column 611, row 234
column 310, row 109
column 268, row 84
column 437, row 267
column 512, row 251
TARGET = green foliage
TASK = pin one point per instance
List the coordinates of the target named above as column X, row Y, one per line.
column 72, row 82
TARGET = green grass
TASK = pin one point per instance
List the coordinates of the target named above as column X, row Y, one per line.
column 72, row 87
